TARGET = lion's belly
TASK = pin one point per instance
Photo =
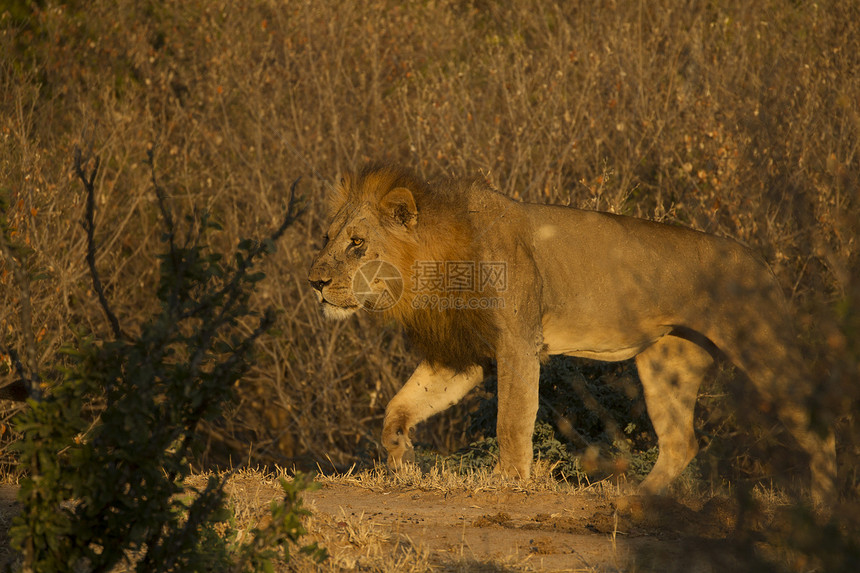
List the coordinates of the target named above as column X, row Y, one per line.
column 608, row 344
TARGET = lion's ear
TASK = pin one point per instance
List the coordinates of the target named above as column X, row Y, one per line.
column 398, row 206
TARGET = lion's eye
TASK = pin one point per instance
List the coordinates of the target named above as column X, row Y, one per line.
column 356, row 242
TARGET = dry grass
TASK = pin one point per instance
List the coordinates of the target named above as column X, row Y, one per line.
column 738, row 118
column 362, row 539
column 733, row 118
column 359, row 541
column 441, row 478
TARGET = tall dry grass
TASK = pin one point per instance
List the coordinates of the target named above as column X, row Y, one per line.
column 733, row 117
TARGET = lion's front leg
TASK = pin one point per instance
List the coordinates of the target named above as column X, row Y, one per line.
column 428, row 391
column 518, row 396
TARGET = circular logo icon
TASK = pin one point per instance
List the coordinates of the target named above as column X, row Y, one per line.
column 377, row 285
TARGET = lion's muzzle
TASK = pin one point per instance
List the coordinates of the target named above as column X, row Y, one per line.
column 319, row 284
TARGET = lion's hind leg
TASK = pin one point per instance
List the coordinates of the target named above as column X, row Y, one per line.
column 777, row 371
column 671, row 371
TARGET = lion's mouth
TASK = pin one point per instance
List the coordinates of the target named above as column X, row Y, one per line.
column 327, row 303
column 331, row 310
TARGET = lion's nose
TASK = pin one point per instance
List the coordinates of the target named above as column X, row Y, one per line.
column 319, row 284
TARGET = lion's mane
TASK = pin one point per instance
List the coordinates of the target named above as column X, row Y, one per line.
column 454, row 338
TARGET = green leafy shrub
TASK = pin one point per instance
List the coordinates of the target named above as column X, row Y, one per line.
column 108, row 487
column 583, row 404
column 285, row 528
column 484, row 453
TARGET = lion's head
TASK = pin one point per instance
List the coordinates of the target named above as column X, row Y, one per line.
column 385, row 221
column 372, row 237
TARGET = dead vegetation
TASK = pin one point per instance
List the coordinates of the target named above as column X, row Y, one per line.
column 376, row 520
column 733, row 117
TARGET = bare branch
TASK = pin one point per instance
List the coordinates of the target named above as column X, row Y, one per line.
column 90, row 227
column 166, row 214
column 230, row 289
column 294, row 211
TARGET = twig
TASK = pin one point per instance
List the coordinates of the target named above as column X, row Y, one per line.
column 162, row 200
column 90, row 227
column 294, row 211
column 178, row 263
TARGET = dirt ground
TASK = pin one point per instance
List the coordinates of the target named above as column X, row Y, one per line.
column 505, row 530
column 391, row 528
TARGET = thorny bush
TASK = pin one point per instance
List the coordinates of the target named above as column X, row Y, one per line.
column 106, row 487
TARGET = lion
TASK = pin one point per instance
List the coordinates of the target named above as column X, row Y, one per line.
column 484, row 277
